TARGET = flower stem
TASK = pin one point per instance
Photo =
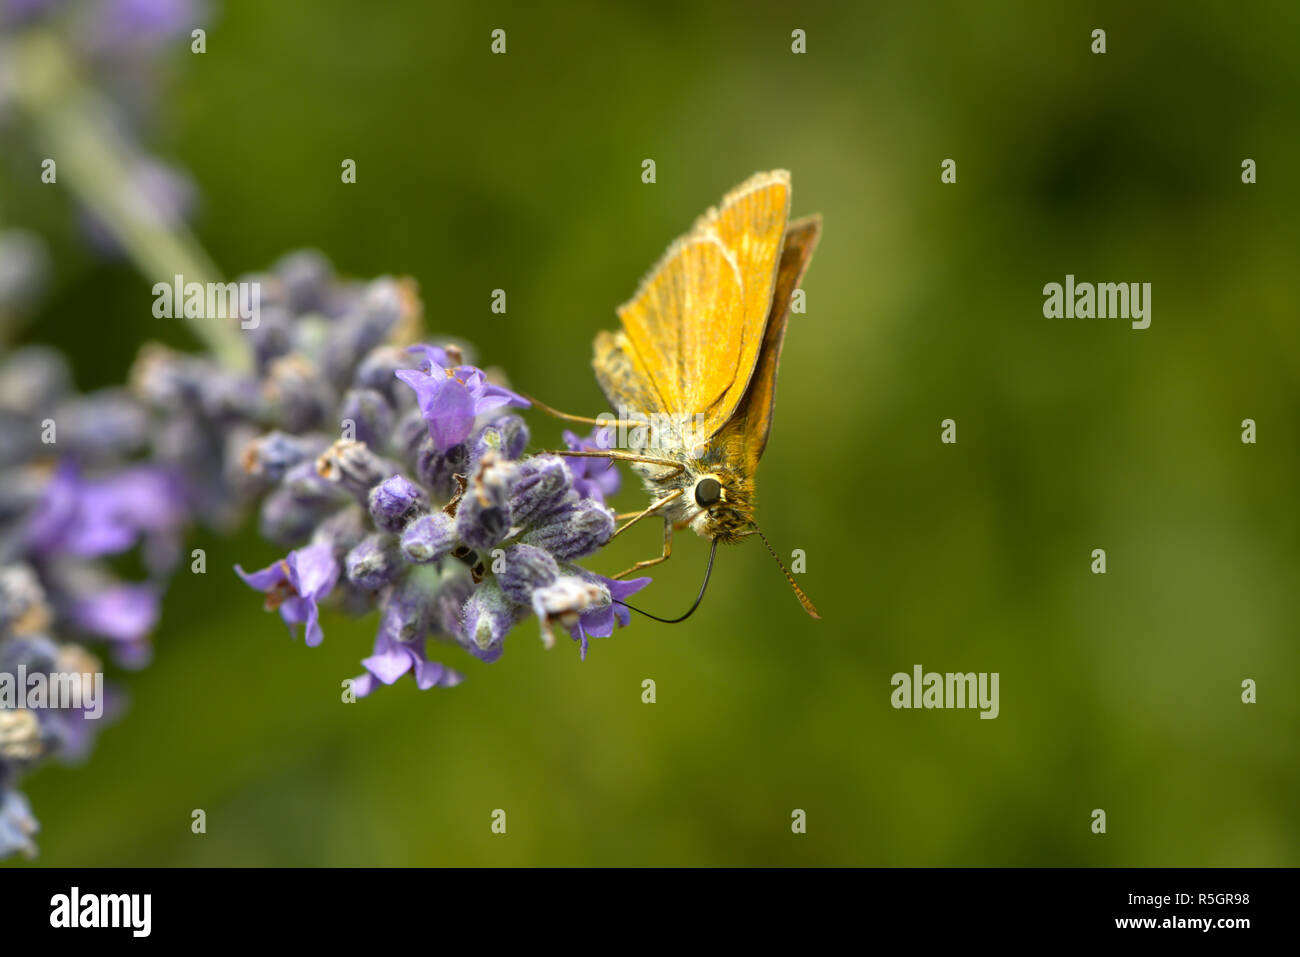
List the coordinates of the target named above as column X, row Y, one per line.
column 74, row 124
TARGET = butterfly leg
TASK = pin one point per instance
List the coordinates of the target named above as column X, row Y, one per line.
column 668, row 550
column 637, row 516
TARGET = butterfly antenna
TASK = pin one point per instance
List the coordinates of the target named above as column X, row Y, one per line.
column 698, row 598
column 808, row 606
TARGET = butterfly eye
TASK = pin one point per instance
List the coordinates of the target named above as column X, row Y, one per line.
column 708, row 491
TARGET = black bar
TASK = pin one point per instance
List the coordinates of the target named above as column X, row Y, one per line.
column 984, row 905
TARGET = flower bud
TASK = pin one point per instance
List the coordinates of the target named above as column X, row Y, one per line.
column 542, row 485
column 342, row 531
column 488, row 616
column 378, row 371
column 273, row 454
column 298, row 396
column 507, row 435
column 437, row 470
column 576, row 530
column 352, row 466
column 370, row 414
column 305, row 275
column 483, row 515
column 395, row 501
column 429, row 537
column 527, row 568
column 374, row 562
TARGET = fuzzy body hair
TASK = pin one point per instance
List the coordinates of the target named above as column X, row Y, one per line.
column 728, row 520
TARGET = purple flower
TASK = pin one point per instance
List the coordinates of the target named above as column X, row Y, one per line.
column 393, row 658
column 592, row 477
column 599, row 622
column 92, row 517
column 295, row 584
column 124, row 613
column 564, row 600
column 452, row 398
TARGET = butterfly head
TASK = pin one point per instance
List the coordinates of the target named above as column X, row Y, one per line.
column 722, row 503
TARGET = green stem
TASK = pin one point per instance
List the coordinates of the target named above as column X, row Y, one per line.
column 74, row 125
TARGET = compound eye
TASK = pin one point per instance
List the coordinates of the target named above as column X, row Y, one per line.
column 708, row 491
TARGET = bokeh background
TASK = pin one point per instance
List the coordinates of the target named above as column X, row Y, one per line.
column 522, row 172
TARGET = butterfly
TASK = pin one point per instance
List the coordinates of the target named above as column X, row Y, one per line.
column 693, row 368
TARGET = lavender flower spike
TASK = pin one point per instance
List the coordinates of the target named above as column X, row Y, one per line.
column 392, row 475
column 479, row 540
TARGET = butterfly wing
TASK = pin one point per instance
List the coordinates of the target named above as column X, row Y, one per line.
column 692, row 333
column 623, row 377
column 752, row 423
column 656, row 362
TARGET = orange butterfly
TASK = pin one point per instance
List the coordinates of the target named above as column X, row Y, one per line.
column 693, row 369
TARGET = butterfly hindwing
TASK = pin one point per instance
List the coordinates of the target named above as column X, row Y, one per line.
column 752, row 423
column 623, row 377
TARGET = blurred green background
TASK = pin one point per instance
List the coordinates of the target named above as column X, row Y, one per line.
column 522, row 172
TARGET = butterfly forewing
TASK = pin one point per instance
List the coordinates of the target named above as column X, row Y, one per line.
column 680, row 323
column 751, row 222
column 699, row 344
